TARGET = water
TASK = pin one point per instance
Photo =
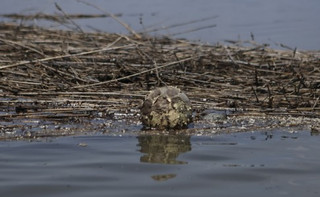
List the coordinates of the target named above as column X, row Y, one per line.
column 272, row 163
column 291, row 22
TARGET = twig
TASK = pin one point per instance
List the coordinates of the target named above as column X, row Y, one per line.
column 177, row 25
column 107, row 48
column 122, row 94
column 315, row 103
column 22, row 45
column 54, row 17
column 133, row 75
column 114, row 17
column 67, row 16
column 193, row 30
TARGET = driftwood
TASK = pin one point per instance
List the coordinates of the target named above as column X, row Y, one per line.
column 63, row 74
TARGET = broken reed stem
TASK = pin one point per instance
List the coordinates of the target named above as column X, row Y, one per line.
column 193, row 30
column 54, row 17
column 67, row 17
column 125, row 25
column 107, row 48
column 133, row 75
column 81, row 93
column 149, row 30
column 64, row 66
column 21, row 45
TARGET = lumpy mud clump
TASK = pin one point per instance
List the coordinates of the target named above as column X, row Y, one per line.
column 166, row 108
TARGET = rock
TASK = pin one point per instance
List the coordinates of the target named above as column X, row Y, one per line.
column 166, row 108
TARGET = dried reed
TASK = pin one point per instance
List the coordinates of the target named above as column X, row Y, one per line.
column 77, row 73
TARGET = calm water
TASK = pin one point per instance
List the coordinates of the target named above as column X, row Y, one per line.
column 273, row 163
column 291, row 22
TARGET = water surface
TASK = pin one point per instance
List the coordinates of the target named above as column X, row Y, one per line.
column 294, row 23
column 271, row 163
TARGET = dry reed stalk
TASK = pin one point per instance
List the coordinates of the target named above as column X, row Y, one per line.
column 52, row 70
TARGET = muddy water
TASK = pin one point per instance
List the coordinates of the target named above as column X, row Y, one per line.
column 271, row 163
column 291, row 22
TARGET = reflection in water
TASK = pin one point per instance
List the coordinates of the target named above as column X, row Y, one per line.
column 163, row 149
column 163, row 177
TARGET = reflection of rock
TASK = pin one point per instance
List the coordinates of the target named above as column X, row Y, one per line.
column 163, row 177
column 315, row 130
column 163, row 149
column 166, row 108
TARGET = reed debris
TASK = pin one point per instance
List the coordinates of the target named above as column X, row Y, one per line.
column 59, row 74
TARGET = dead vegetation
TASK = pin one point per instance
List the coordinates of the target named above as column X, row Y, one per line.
column 64, row 74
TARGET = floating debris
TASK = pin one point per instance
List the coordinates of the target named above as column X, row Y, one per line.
column 82, row 144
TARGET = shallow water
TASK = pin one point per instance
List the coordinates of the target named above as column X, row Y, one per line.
column 272, row 163
column 290, row 22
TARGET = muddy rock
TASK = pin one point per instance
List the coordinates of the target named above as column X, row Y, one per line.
column 166, row 108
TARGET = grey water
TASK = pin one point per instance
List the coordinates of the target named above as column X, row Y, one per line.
column 269, row 163
column 294, row 23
